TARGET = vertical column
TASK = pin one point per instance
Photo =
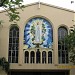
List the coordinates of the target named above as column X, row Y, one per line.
column 55, row 46
column 29, row 57
column 35, row 56
column 47, row 57
column 41, row 56
column 74, row 19
column 21, row 56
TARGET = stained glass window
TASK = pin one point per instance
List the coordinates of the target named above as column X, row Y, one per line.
column 38, row 30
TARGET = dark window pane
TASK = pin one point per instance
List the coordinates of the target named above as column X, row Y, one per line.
column 49, row 57
column 14, row 33
column 16, row 59
column 16, row 53
column 13, row 59
column 13, row 53
column 10, row 45
column 10, row 34
column 59, row 47
column 26, row 57
column 32, row 55
column 14, row 40
column 49, row 54
column 43, row 57
column 16, row 48
column 9, row 53
column 63, row 60
column 67, row 59
column 66, row 47
column 9, row 59
column 63, row 47
column 38, row 56
column 59, row 54
column 17, row 40
column 10, row 48
column 26, row 54
column 10, row 40
column 17, row 34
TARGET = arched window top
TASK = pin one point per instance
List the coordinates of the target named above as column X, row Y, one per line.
column 38, row 30
column 14, row 28
column 62, row 32
column 62, row 27
column 14, row 31
column 44, row 53
column 26, row 53
column 32, row 54
column 32, row 51
column 50, row 54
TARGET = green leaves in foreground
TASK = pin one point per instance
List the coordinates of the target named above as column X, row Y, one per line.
column 11, row 7
column 70, row 43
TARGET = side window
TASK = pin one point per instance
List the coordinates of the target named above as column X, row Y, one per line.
column 13, row 44
column 62, row 48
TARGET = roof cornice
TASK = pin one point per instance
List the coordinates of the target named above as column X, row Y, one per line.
column 50, row 5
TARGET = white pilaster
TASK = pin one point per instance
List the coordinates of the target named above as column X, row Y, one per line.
column 35, row 57
column 41, row 56
column 46, row 57
column 29, row 57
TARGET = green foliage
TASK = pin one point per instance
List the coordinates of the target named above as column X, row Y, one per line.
column 33, row 32
column 43, row 31
column 11, row 8
column 4, row 64
column 70, row 43
column 33, row 29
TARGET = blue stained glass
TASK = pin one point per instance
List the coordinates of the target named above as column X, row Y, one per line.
column 47, row 32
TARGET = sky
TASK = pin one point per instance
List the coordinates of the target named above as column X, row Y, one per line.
column 61, row 3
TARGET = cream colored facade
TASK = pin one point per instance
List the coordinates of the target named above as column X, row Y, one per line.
column 55, row 15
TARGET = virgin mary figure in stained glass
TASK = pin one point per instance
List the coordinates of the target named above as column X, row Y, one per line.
column 38, row 33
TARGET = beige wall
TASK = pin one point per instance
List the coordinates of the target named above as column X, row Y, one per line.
column 56, row 16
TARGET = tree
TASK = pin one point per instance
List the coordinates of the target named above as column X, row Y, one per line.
column 10, row 6
column 70, row 43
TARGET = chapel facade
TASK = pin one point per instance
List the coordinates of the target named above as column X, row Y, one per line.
column 32, row 46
